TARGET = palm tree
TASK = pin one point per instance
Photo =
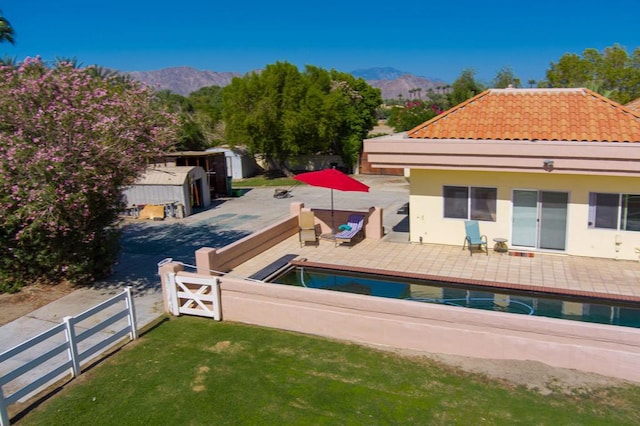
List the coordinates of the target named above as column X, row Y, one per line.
column 6, row 30
column 62, row 61
column 8, row 61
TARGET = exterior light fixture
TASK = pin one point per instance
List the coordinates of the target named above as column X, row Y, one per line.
column 547, row 165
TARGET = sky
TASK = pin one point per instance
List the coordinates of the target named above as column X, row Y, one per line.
column 437, row 40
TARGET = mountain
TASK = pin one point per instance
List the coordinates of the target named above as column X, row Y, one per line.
column 392, row 89
column 184, row 80
column 378, row 73
column 393, row 82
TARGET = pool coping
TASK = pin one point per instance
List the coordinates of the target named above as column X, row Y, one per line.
column 472, row 282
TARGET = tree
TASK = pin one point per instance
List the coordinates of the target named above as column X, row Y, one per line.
column 8, row 61
column 208, row 100
column 465, row 87
column 69, row 143
column 207, row 112
column 6, row 30
column 506, row 78
column 412, row 114
column 613, row 72
column 570, row 71
column 282, row 113
column 191, row 134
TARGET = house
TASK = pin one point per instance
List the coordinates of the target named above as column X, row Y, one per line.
column 171, row 186
column 634, row 105
column 554, row 170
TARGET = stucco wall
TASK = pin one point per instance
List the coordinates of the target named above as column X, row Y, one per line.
column 608, row 350
column 209, row 259
column 427, row 221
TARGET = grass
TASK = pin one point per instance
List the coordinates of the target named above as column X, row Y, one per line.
column 199, row 372
column 264, row 180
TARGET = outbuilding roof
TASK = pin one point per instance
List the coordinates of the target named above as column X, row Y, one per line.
column 165, row 175
column 535, row 115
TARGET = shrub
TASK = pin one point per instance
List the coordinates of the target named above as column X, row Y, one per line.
column 70, row 140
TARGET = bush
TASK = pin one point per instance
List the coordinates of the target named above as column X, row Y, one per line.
column 70, row 140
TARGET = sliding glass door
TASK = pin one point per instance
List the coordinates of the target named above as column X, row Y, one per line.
column 525, row 219
column 539, row 219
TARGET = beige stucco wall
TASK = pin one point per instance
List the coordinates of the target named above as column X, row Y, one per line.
column 427, row 221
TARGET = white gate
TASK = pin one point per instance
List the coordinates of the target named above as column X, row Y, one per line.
column 194, row 296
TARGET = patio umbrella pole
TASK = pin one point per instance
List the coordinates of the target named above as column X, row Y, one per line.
column 333, row 225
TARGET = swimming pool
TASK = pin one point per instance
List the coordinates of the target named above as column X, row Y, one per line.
column 602, row 311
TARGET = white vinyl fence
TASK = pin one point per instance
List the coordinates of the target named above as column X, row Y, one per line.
column 41, row 361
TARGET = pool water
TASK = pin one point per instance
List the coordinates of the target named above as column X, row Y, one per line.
column 501, row 300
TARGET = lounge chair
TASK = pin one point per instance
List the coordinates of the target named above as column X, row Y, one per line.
column 473, row 237
column 354, row 230
column 307, row 228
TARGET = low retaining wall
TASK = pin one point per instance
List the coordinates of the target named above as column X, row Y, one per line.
column 209, row 259
column 223, row 260
column 373, row 227
column 608, row 350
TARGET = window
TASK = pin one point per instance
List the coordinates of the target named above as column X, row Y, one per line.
column 614, row 211
column 476, row 203
column 456, row 203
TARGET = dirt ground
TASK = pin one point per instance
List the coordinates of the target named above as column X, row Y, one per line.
column 32, row 297
column 532, row 375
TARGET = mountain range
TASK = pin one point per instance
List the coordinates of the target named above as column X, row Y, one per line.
column 184, row 80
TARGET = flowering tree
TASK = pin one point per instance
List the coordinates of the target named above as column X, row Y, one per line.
column 412, row 114
column 69, row 141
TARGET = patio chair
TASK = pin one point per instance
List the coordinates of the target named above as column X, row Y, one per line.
column 354, row 230
column 473, row 237
column 307, row 228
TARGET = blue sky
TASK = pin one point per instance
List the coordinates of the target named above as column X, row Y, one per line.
column 431, row 39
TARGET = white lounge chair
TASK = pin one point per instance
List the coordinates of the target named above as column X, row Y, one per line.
column 355, row 224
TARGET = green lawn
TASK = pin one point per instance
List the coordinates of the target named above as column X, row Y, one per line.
column 263, row 180
column 195, row 371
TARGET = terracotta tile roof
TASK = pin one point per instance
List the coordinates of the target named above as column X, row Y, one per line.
column 534, row 114
column 633, row 106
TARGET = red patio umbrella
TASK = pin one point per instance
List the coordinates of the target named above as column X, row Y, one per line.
column 332, row 179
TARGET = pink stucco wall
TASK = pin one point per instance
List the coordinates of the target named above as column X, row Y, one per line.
column 603, row 349
column 210, row 259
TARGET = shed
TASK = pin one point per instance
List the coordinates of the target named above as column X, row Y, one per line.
column 213, row 163
column 240, row 164
column 162, row 185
